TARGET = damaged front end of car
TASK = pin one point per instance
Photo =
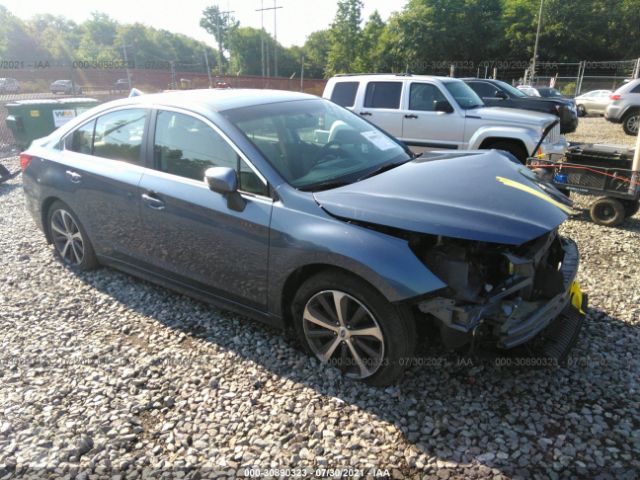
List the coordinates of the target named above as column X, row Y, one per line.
column 504, row 295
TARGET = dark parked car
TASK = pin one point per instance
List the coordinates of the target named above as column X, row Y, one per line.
column 121, row 85
column 497, row 93
column 295, row 211
column 66, row 87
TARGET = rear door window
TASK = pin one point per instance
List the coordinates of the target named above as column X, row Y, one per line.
column 383, row 95
column 344, row 93
column 118, row 135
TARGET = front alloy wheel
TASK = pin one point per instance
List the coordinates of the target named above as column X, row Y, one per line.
column 342, row 332
column 347, row 323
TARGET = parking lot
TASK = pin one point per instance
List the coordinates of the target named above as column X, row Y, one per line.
column 102, row 373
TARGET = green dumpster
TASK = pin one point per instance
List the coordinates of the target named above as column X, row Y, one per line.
column 31, row 119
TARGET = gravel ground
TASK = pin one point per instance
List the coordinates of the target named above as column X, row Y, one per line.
column 101, row 373
column 598, row 130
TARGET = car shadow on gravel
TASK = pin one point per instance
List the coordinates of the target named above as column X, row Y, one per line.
column 6, row 188
column 481, row 414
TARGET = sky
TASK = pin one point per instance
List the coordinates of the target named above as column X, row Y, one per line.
column 296, row 20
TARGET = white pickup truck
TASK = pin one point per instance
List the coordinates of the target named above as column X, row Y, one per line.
column 428, row 112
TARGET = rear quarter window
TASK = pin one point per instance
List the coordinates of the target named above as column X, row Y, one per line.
column 344, row 93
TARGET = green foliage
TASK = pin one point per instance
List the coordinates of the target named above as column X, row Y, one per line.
column 345, row 38
column 57, row 40
column 220, row 25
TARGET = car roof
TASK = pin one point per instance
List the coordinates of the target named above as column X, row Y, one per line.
column 216, row 100
column 390, row 76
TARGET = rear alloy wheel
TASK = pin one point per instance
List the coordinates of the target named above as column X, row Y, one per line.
column 607, row 211
column 69, row 239
column 630, row 123
column 349, row 325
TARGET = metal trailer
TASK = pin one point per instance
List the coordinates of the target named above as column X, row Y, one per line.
column 604, row 171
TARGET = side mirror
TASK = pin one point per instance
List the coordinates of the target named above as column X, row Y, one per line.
column 501, row 95
column 442, row 106
column 224, row 180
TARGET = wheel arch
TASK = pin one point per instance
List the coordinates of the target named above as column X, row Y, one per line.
column 44, row 212
column 301, row 275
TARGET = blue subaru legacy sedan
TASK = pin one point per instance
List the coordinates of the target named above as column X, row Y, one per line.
column 297, row 212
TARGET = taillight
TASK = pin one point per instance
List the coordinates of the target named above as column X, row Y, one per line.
column 25, row 160
column 614, row 97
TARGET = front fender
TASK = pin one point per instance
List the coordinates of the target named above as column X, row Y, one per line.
column 525, row 135
column 299, row 239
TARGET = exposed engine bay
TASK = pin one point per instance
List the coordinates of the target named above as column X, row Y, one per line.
column 502, row 292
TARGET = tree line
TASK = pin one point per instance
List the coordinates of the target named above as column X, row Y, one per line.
column 425, row 36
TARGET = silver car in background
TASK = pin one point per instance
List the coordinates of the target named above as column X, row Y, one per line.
column 593, row 102
column 625, row 107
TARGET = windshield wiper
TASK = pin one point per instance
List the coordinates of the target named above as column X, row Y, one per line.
column 314, row 187
column 384, row 167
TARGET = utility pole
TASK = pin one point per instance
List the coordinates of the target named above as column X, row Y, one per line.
column 174, row 82
column 126, row 64
column 206, row 62
column 535, row 47
column 262, row 9
column 302, row 73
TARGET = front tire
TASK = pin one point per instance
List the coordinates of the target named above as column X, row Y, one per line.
column 345, row 322
column 70, row 240
column 582, row 112
column 630, row 123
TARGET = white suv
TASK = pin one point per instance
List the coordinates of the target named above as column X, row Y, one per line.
column 428, row 112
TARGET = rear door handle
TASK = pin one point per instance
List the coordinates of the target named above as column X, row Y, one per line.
column 152, row 201
column 410, row 115
column 75, row 177
column 367, row 114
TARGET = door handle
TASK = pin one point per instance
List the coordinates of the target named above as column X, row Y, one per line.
column 152, row 201
column 365, row 114
column 411, row 115
column 75, row 177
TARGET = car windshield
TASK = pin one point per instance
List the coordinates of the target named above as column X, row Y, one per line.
column 315, row 144
column 511, row 89
column 463, row 94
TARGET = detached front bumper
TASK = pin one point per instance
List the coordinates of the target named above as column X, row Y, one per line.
column 506, row 320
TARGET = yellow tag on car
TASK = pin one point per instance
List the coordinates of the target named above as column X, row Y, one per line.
column 575, row 293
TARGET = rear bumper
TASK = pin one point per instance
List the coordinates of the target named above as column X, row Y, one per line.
column 613, row 113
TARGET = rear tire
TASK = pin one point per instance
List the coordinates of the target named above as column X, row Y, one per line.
column 377, row 356
column 70, row 240
column 513, row 148
column 607, row 211
column 630, row 123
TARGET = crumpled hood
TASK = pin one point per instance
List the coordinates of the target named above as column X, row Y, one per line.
column 512, row 116
column 474, row 195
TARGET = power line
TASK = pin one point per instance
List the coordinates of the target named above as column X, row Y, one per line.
column 262, row 9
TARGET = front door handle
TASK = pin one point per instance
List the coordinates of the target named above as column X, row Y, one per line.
column 365, row 114
column 410, row 115
column 152, row 201
column 75, row 177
